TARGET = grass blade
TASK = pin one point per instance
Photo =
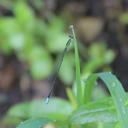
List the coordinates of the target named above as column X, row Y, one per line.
column 118, row 95
column 77, row 65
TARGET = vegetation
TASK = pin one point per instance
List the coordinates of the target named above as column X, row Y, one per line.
column 37, row 43
column 33, row 33
column 80, row 110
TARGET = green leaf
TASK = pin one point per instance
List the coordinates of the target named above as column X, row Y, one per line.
column 34, row 123
column 57, row 109
column 20, row 111
column 98, row 111
column 9, row 33
column 105, row 111
column 24, row 16
column 118, row 95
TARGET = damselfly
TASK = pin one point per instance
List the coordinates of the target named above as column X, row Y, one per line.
column 58, row 68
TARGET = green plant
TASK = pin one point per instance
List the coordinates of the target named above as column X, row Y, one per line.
column 79, row 111
column 34, row 42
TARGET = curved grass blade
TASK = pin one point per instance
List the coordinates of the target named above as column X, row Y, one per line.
column 118, row 95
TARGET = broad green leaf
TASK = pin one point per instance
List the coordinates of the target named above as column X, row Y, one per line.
column 98, row 111
column 118, row 95
column 34, row 123
column 56, row 109
column 20, row 111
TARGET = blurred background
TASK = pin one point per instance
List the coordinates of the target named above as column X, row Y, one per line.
column 33, row 34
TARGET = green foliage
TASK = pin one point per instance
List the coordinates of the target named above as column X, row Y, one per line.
column 98, row 57
column 18, row 35
column 106, row 112
column 38, row 108
column 35, row 41
column 34, row 123
column 99, row 111
column 118, row 95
